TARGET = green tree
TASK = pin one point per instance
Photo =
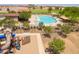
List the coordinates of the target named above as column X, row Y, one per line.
column 73, row 20
column 49, row 9
column 12, row 12
column 57, row 45
column 8, row 22
column 24, row 16
column 1, row 23
column 71, row 12
column 41, row 7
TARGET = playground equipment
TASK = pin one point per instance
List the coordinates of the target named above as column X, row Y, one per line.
column 2, row 36
column 5, row 40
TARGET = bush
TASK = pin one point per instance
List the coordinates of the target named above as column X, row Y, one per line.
column 24, row 16
column 57, row 45
column 48, row 29
column 71, row 12
column 26, row 24
column 66, row 28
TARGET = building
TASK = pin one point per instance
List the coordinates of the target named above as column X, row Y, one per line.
column 13, row 16
column 6, row 9
column 13, row 8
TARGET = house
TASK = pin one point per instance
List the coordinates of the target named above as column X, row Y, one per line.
column 13, row 8
column 13, row 16
column 5, row 11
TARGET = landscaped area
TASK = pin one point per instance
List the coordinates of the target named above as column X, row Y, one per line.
column 39, row 11
column 41, row 30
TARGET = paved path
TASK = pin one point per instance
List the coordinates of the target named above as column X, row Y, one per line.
column 39, row 41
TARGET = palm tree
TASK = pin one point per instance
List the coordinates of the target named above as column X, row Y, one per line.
column 56, row 46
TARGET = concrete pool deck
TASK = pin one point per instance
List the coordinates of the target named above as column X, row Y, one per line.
column 33, row 20
column 35, row 46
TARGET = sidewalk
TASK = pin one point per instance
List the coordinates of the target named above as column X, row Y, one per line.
column 34, row 47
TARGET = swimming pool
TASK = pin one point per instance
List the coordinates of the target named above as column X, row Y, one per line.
column 47, row 19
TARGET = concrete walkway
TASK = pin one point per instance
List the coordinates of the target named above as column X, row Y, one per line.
column 39, row 41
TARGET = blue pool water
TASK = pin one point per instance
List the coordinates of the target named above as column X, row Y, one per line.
column 47, row 19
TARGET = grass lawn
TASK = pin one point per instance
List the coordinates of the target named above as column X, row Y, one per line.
column 41, row 11
column 55, row 11
column 6, row 12
column 3, row 12
column 37, row 11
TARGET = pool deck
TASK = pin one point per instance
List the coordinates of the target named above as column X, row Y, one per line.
column 33, row 20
